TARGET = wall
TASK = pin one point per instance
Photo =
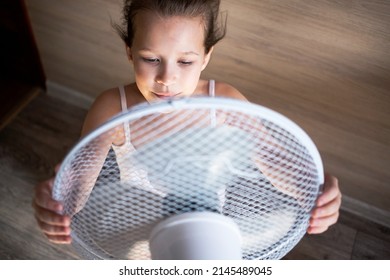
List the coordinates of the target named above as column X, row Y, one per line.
column 323, row 63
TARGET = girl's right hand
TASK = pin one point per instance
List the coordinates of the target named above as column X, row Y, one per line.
column 55, row 226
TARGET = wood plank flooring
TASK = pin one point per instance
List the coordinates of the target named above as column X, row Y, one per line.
column 48, row 127
column 14, row 96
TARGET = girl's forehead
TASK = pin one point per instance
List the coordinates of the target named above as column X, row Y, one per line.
column 151, row 19
column 157, row 32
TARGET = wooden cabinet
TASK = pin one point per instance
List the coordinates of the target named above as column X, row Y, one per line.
column 21, row 72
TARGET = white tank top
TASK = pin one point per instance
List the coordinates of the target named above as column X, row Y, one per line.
column 128, row 172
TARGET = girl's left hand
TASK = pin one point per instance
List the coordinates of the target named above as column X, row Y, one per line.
column 327, row 208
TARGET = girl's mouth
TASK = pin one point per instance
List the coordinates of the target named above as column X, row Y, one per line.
column 165, row 95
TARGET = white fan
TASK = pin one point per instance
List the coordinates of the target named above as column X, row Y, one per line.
column 204, row 178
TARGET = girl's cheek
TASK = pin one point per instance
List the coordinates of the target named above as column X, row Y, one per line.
column 143, row 71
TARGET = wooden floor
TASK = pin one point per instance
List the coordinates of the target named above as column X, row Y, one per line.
column 47, row 128
column 13, row 98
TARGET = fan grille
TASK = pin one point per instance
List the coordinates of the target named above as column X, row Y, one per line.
column 237, row 162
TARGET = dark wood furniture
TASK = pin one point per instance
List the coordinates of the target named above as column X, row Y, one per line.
column 21, row 72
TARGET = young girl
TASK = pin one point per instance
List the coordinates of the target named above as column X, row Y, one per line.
column 169, row 44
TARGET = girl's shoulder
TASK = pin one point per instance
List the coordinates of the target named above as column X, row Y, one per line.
column 107, row 105
column 111, row 99
column 223, row 89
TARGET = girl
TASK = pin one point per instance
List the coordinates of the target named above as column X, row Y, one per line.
column 169, row 44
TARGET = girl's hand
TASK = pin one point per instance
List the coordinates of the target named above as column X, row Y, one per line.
column 55, row 226
column 327, row 208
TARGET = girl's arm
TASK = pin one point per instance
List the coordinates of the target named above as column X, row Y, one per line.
column 54, row 225
column 326, row 211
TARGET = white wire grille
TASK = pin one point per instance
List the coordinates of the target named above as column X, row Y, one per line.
column 230, row 157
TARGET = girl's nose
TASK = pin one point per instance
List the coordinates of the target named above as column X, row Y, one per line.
column 167, row 75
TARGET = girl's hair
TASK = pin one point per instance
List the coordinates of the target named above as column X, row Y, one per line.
column 208, row 10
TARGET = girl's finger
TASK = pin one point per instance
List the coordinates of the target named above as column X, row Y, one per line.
column 328, row 209
column 59, row 239
column 54, row 230
column 51, row 218
column 331, row 190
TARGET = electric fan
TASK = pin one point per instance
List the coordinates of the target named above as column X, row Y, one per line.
column 199, row 178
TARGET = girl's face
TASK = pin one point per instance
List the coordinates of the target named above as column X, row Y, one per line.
column 168, row 55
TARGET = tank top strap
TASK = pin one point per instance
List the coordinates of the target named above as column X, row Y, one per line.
column 212, row 88
column 126, row 125
column 123, row 98
column 213, row 116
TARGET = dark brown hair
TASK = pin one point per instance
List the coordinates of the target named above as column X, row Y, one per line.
column 215, row 29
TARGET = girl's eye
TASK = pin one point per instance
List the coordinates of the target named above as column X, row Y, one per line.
column 185, row 62
column 151, row 60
